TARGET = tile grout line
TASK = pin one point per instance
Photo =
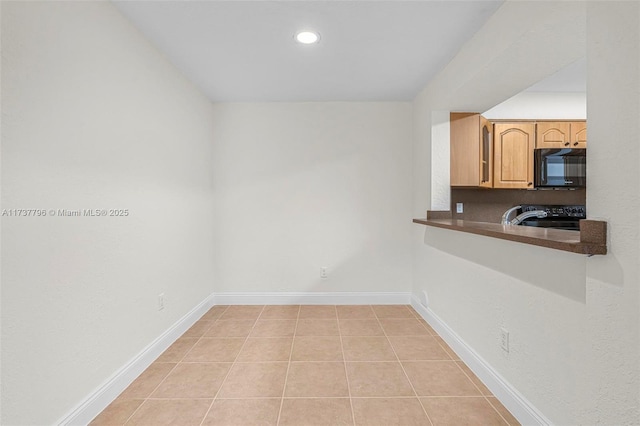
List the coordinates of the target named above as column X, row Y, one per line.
column 286, row 376
column 175, row 366
column 445, row 348
column 330, row 397
column 344, row 363
column 404, row 371
column 480, row 390
column 499, row 413
column 436, row 336
column 237, row 398
column 232, row 365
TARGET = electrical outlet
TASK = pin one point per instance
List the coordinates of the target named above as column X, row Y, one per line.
column 459, row 207
column 161, row 301
column 504, row 339
column 323, row 272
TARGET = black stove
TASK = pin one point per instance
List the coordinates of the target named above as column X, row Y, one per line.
column 558, row 216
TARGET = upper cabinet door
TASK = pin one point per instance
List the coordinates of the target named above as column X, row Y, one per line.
column 465, row 149
column 471, row 150
column 553, row 134
column 579, row 134
column 561, row 134
column 513, row 155
column 486, row 153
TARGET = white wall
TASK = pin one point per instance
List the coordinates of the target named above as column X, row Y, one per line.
column 612, row 392
column 541, row 106
column 573, row 321
column 302, row 186
column 440, row 159
column 94, row 117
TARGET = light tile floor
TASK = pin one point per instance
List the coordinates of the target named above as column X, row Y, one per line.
column 308, row 365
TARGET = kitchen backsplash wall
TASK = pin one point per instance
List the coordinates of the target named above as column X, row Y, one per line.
column 488, row 205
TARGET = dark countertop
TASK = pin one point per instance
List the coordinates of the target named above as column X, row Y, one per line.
column 590, row 240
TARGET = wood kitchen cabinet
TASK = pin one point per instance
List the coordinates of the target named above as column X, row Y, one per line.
column 471, row 150
column 579, row 134
column 561, row 134
column 513, row 155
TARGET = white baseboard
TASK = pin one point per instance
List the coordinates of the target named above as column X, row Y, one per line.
column 314, row 298
column 112, row 387
column 509, row 396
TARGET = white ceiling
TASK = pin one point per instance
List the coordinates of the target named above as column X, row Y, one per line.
column 572, row 78
column 369, row 50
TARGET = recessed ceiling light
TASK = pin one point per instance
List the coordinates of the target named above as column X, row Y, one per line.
column 307, row 37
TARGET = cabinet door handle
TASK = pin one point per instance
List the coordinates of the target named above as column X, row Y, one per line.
column 575, row 144
column 529, row 183
column 566, row 144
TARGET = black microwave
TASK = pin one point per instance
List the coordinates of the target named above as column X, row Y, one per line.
column 560, row 168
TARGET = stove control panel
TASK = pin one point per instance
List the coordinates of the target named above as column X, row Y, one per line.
column 558, row 211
